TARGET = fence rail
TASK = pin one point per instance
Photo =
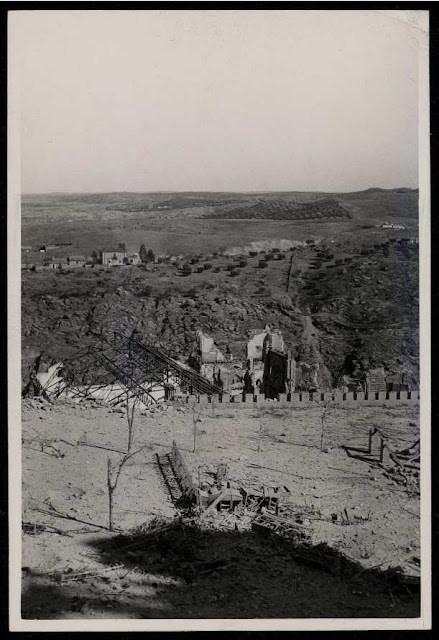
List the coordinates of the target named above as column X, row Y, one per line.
column 390, row 398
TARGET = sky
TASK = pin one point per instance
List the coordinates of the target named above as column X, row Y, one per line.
column 211, row 100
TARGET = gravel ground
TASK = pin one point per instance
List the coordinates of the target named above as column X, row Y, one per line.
column 65, row 452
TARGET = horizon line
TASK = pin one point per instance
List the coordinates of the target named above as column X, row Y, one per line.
column 244, row 192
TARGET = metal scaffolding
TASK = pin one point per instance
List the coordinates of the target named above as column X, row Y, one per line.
column 143, row 368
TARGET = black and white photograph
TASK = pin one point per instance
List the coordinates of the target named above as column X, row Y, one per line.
column 218, row 403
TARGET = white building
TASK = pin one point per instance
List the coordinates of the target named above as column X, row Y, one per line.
column 112, row 258
column 133, row 258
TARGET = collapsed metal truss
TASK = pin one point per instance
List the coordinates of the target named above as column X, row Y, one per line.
column 144, row 372
column 143, row 368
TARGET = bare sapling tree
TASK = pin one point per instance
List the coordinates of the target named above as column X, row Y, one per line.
column 114, row 469
column 259, row 436
column 326, row 410
column 323, row 421
column 196, row 418
column 130, row 420
column 113, row 474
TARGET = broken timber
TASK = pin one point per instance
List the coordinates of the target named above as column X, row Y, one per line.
column 284, row 527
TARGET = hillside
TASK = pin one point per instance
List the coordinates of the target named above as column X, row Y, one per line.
column 200, row 222
column 278, row 209
column 343, row 304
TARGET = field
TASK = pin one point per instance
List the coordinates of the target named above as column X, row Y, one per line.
column 75, row 570
column 92, row 221
column 278, row 209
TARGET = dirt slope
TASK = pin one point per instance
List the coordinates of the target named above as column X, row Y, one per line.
column 65, row 452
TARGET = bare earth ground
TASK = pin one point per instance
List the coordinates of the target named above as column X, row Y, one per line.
column 93, row 573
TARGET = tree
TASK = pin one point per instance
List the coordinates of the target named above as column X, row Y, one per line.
column 196, row 417
column 94, row 256
column 113, row 469
column 150, row 255
column 143, row 254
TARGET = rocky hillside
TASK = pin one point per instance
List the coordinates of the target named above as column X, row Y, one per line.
column 347, row 308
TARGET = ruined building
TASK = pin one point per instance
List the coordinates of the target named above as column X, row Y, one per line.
column 268, row 367
column 212, row 362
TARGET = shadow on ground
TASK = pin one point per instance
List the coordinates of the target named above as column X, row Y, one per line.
column 188, row 572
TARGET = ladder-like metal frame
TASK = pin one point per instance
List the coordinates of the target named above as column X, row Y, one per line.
column 141, row 368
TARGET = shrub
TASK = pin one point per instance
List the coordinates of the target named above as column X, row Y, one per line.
column 263, row 264
column 207, row 266
column 253, row 253
column 145, row 292
column 146, row 256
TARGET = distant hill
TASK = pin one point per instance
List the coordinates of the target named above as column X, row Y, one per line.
column 280, row 209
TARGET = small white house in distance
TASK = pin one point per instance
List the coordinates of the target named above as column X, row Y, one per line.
column 133, row 258
column 111, row 258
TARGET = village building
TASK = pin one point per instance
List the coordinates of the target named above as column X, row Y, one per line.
column 76, row 261
column 69, row 262
column 57, row 263
column 113, row 257
column 133, row 258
